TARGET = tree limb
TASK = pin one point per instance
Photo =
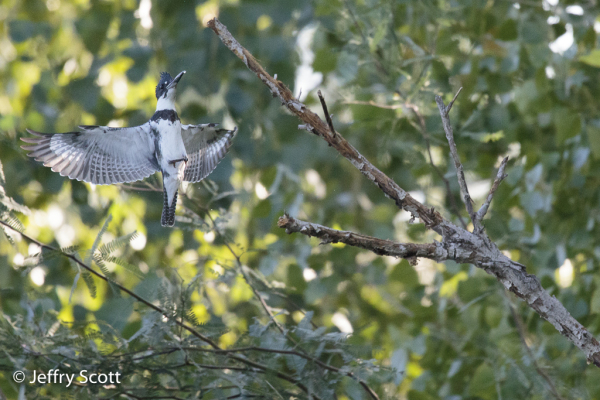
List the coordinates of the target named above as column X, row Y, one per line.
column 382, row 247
column 462, row 246
column 317, row 126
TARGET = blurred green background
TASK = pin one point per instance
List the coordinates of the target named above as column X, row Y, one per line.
column 530, row 72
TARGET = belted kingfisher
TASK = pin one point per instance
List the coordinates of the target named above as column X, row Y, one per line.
column 102, row 155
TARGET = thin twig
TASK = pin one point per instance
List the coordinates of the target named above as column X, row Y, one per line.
column 166, row 314
column 298, row 354
column 521, row 330
column 499, row 178
column 462, row 183
column 120, row 287
column 327, row 116
column 453, row 100
column 267, row 308
column 423, row 128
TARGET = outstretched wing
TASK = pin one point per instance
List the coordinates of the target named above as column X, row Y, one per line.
column 205, row 147
column 97, row 154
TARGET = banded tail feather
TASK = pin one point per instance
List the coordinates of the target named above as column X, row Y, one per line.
column 168, row 212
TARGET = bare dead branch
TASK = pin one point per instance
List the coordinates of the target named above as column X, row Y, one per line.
column 327, row 116
column 462, row 246
column 316, row 125
column 425, row 134
column 499, row 178
column 462, row 183
column 434, row 251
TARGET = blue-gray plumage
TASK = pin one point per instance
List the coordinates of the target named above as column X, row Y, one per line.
column 103, row 155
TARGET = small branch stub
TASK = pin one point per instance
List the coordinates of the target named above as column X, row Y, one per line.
column 327, row 116
column 499, row 178
column 452, row 102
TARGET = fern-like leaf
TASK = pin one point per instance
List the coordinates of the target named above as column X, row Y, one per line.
column 191, row 318
column 70, row 249
column 113, row 245
column 123, row 263
column 89, row 281
column 99, row 260
column 8, row 202
column 11, row 220
column 165, row 299
column 75, row 285
column 8, row 237
column 88, row 258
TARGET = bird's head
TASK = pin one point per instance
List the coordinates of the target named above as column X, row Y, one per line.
column 167, row 86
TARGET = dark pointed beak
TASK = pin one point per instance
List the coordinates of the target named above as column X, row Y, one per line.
column 175, row 81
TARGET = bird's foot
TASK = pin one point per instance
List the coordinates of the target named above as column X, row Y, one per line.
column 174, row 162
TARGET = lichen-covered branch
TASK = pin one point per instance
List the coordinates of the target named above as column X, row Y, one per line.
column 434, row 251
column 458, row 244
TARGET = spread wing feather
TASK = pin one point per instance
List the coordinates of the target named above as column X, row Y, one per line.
column 97, row 154
column 205, row 146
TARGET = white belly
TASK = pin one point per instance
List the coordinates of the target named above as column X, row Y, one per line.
column 171, row 144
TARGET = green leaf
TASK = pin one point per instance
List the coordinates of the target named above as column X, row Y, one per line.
column 115, row 312
column 89, row 281
column 405, row 273
column 593, row 136
column 567, row 122
column 595, row 302
column 74, row 285
column 398, row 361
column 592, row 58
column 482, row 382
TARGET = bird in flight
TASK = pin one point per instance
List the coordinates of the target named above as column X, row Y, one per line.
column 102, row 155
